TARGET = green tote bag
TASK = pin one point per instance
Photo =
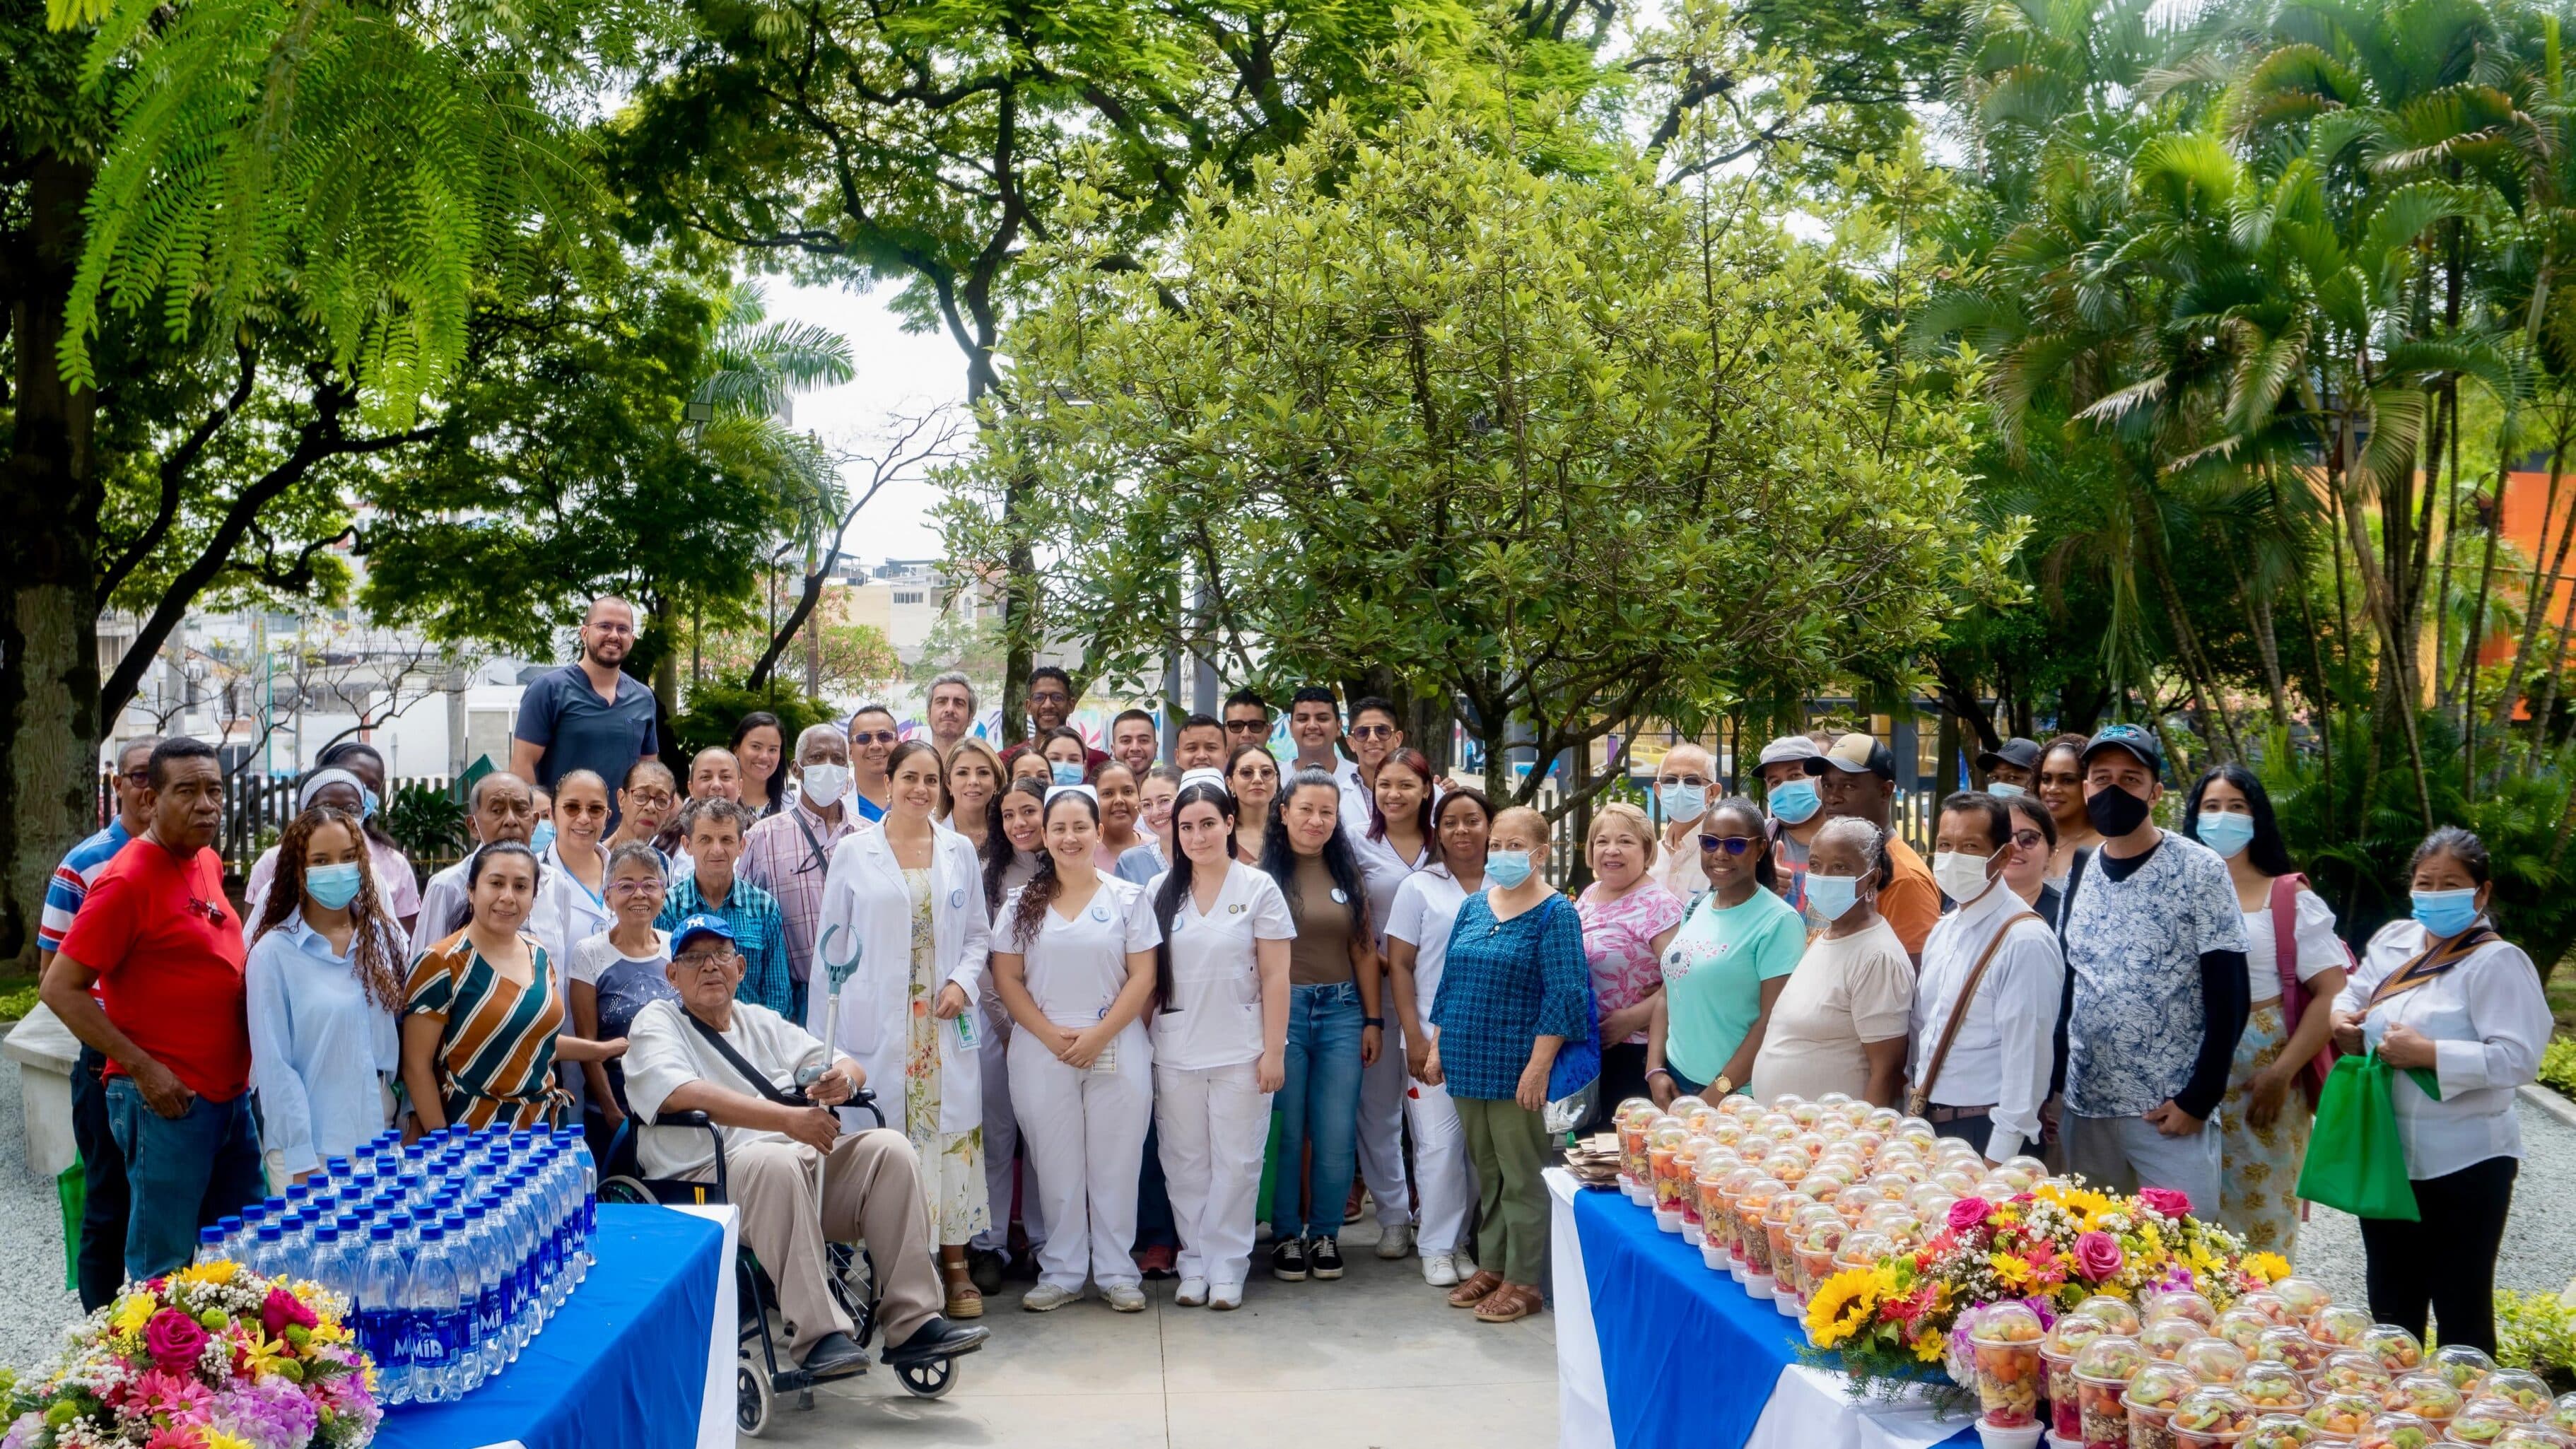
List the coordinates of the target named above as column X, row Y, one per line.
column 2356, row 1161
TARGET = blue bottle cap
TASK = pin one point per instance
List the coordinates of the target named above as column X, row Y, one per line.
column 452, row 1221
column 207, row 1237
column 231, row 1224
column 326, row 1234
column 432, row 1233
column 381, row 1233
column 275, row 1205
column 348, row 1223
column 402, row 1220
column 474, row 1212
column 271, row 1232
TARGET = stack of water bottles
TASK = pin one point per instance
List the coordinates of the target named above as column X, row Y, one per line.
column 453, row 1251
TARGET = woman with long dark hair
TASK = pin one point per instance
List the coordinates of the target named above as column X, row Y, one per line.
column 1395, row 842
column 1074, row 961
column 2294, row 965
column 1417, row 950
column 391, row 867
column 1220, row 1028
column 1014, row 841
column 1336, row 1024
column 2441, row 992
column 1252, row 774
column 324, row 987
column 760, row 745
column 2061, row 789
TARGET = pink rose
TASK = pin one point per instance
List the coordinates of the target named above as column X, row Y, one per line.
column 284, row 1310
column 2098, row 1256
column 174, row 1340
column 1967, row 1212
column 2166, row 1200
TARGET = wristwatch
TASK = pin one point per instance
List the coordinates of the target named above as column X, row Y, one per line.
column 1376, row 1021
column 1724, row 1086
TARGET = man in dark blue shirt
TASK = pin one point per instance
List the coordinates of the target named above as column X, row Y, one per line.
column 590, row 714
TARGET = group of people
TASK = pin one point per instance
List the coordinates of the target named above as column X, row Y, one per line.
column 1138, row 1011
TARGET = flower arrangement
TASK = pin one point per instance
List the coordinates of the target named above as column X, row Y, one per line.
column 209, row 1357
column 2049, row 1247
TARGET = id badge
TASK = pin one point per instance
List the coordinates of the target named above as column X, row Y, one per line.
column 969, row 1036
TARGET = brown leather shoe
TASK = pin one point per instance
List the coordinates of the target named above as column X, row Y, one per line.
column 1510, row 1304
column 1473, row 1291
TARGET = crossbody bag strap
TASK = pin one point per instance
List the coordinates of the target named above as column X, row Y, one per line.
column 1921, row 1097
column 760, row 1083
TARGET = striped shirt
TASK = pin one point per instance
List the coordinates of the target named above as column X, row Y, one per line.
column 496, row 1051
column 788, row 855
column 753, row 914
column 71, row 882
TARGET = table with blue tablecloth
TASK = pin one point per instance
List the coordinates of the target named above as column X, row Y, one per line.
column 640, row 1356
column 1654, row 1349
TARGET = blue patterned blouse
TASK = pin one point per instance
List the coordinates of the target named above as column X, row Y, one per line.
column 1506, row 984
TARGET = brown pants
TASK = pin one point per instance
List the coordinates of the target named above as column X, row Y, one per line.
column 871, row 1191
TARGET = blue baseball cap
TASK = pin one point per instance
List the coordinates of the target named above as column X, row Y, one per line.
column 701, row 924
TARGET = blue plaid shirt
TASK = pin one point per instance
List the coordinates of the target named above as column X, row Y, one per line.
column 1506, row 984
column 758, row 933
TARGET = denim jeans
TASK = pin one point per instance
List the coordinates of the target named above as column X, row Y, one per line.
column 102, row 1228
column 181, row 1173
column 1319, row 1103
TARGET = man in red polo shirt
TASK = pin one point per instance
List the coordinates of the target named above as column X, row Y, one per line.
column 164, row 950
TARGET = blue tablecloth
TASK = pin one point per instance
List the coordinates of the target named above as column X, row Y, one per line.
column 623, row 1363
column 1687, row 1356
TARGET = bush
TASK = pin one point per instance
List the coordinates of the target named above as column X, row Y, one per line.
column 427, row 821
column 2537, row 1331
column 2558, row 1066
column 14, row 1005
column 714, row 709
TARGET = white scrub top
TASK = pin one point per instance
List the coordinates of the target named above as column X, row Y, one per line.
column 1382, row 873
column 1075, row 969
column 1216, row 971
column 1426, row 907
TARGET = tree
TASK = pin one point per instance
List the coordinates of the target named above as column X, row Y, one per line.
column 1567, row 449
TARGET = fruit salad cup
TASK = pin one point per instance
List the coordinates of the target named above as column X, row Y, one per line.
column 2464, row 1365
column 2304, row 1295
column 2273, row 1386
column 1716, row 1242
column 1818, row 1240
column 1634, row 1176
column 2004, row 1346
column 2243, row 1327
column 2273, row 1307
column 2535, row 1436
column 2280, row 1431
column 2398, row 1351
column 2117, row 1312
column 2291, row 1346
column 2102, row 1374
column 2483, row 1423
column 2212, row 1417
column 2351, row 1372
column 2164, row 1337
column 2525, row 1391
column 2182, row 1303
column 2340, row 1324
column 2428, row 1396
column 1729, row 1224
column 1750, row 1205
column 1664, row 1172
column 1779, row 1228
column 2212, row 1360
column 2057, row 1359
column 2562, row 1413
column 2151, row 1399
column 2397, row 1431
column 2340, row 1418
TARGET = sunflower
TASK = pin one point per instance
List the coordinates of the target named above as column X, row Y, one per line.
column 2270, row 1267
column 1842, row 1307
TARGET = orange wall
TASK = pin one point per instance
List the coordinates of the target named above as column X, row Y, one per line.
column 2526, row 496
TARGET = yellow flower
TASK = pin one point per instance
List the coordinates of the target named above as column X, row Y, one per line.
column 218, row 1439
column 2013, row 1271
column 263, row 1356
column 1842, row 1306
column 1928, row 1346
column 133, row 1311
column 219, row 1271
column 2270, row 1267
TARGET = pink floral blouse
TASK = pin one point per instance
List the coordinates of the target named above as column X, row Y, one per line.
column 1619, row 941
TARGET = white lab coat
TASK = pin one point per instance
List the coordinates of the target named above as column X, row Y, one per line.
column 867, row 908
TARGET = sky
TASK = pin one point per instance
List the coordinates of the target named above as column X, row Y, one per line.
column 898, row 372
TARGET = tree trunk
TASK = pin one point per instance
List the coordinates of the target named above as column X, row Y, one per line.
column 49, row 686
column 2469, row 647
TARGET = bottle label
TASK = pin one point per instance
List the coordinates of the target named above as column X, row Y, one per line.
column 380, row 1335
column 490, row 1312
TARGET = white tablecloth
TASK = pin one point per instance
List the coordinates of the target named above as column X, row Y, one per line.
column 715, row 1415
column 1808, row 1408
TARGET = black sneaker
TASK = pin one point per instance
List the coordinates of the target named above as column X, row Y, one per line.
column 984, row 1268
column 1288, row 1261
column 1324, row 1257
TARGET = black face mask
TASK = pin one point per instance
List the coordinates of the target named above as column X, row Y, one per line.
column 2114, row 811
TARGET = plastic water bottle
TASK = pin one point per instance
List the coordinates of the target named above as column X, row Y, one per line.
column 406, row 1237
column 294, row 1247
column 323, row 1264
column 268, row 1250
column 210, row 1244
column 489, row 1303
column 382, row 1281
column 587, row 1170
column 430, row 1320
column 465, row 1370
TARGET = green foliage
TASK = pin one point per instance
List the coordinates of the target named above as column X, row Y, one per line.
column 2558, row 1066
column 2537, row 1332
column 14, row 1005
column 426, row 821
column 714, row 709
column 1519, row 437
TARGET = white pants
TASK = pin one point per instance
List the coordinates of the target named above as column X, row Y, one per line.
column 1085, row 1135
column 1441, row 1168
column 1381, row 1137
column 1001, row 1135
column 1213, row 1123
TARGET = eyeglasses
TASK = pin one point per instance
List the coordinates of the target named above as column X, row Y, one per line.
column 1688, row 781
column 1371, row 732
column 650, row 797
column 1731, row 844
column 632, row 887
column 1247, row 727
column 607, row 626
column 579, row 808
column 874, row 737
column 2029, row 839
column 136, row 778
column 1049, row 696
column 701, row 960
column 208, row 909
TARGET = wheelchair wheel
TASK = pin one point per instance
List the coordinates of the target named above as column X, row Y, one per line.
column 929, row 1380
column 753, row 1400
column 625, row 1190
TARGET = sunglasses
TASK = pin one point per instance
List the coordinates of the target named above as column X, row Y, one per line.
column 1246, row 727
column 874, row 737
column 2029, row 839
column 1731, row 844
column 1371, row 732
column 137, row 778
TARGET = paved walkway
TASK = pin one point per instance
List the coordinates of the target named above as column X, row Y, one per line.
column 1375, row 1359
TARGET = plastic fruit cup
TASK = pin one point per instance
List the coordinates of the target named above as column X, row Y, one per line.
column 2007, row 1380
column 2102, row 1417
column 2211, row 1418
column 2339, row 1418
column 2065, row 1414
column 2151, row 1399
column 2397, row 1431
column 2427, row 1396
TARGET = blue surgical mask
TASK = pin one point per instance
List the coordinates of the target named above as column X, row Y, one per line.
column 542, row 838
column 1794, row 803
column 1682, row 802
column 1066, row 774
column 1507, row 868
column 2446, row 913
column 332, row 886
column 2005, row 790
column 2226, row 832
column 1831, row 897
column 368, row 803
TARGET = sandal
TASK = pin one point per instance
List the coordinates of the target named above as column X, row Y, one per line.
column 1509, row 1304
column 1474, row 1290
column 965, row 1300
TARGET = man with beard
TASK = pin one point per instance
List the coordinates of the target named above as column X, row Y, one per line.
column 1051, row 701
column 590, row 714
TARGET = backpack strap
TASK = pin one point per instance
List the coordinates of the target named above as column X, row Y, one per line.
column 1921, row 1097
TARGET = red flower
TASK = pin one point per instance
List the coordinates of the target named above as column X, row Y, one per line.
column 2098, row 1256
column 284, row 1310
column 2165, row 1200
column 1968, row 1212
column 174, row 1340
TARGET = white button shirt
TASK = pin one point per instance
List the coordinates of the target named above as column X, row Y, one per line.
column 2004, row 1049
column 2487, row 1019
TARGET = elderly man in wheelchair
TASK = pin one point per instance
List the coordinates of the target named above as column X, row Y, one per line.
column 784, row 1149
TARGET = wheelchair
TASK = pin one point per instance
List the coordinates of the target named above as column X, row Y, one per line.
column 759, row 1378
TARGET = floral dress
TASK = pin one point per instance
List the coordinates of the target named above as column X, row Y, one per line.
column 952, row 1163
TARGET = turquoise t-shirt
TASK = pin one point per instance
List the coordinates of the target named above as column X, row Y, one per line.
column 1713, row 975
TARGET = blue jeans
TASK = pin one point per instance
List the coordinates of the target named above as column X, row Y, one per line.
column 103, row 1218
column 181, row 1173
column 1319, row 1103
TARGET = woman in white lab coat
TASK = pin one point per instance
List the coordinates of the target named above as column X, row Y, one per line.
column 1220, row 1025
column 1073, row 958
column 902, row 940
